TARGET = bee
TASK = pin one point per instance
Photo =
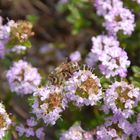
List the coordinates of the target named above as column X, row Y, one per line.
column 63, row 72
column 86, row 67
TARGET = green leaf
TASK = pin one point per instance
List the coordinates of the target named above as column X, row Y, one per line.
column 137, row 84
column 32, row 18
column 31, row 100
column 27, row 44
column 7, row 136
column 25, row 138
column 11, row 43
column 136, row 69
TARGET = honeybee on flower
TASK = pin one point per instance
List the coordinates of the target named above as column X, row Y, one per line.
column 63, row 72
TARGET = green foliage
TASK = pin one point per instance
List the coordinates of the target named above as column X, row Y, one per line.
column 7, row 136
column 32, row 18
column 25, row 138
column 77, row 14
column 31, row 100
column 12, row 44
column 27, row 43
column 135, row 79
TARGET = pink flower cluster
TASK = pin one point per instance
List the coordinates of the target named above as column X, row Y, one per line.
column 30, row 129
column 4, row 35
column 5, row 121
column 113, row 59
column 14, row 35
column 106, row 48
column 81, row 88
column 23, row 78
column 117, row 18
